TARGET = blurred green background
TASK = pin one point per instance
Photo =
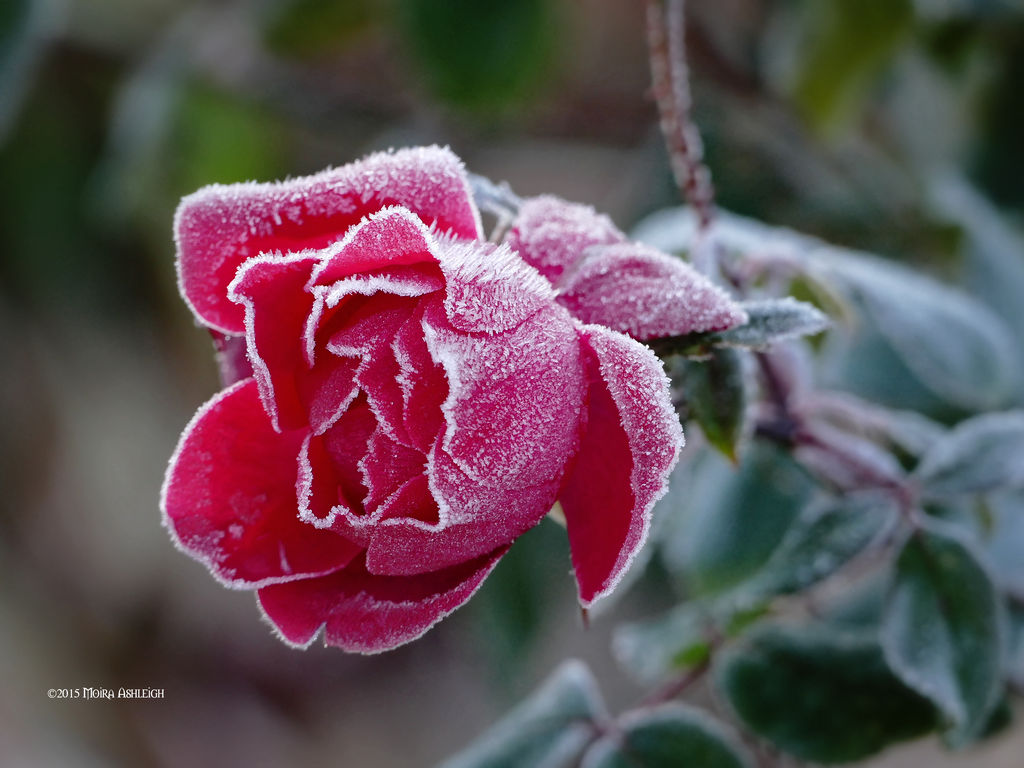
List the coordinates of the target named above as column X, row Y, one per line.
column 888, row 125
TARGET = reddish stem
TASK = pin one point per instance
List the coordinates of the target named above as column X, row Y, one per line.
column 670, row 84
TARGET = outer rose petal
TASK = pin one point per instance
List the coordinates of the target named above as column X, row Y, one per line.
column 647, row 294
column 552, row 234
column 630, row 443
column 229, row 497
column 363, row 613
column 219, row 227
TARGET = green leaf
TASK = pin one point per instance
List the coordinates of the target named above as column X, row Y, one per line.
column 550, row 728
column 652, row 649
column 305, row 28
column 847, row 44
column 826, row 536
column 1015, row 643
column 942, row 630
column 716, row 393
column 991, row 247
column 667, row 737
column 952, row 344
column 510, row 607
column 980, row 455
column 824, row 697
column 26, row 27
column 772, row 320
column 480, row 54
column 735, row 518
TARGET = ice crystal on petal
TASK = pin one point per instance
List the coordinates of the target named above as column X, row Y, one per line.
column 552, row 234
column 219, row 227
column 645, row 293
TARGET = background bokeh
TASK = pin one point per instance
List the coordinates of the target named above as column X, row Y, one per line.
column 888, row 125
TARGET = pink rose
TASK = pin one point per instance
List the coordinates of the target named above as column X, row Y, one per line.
column 418, row 398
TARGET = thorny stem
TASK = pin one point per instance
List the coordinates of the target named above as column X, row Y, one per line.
column 670, row 85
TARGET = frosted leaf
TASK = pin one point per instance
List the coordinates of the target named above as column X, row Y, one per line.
column 552, row 234
column 630, row 443
column 514, row 398
column 642, row 292
column 219, row 227
column 363, row 613
column 846, row 460
column 228, row 499
column 953, row 344
column 980, row 455
column 489, row 288
column 943, row 629
column 549, row 729
column 770, row 321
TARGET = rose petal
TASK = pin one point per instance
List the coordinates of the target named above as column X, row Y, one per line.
column 219, row 227
column 472, row 519
column 514, row 398
column 330, row 480
column 366, row 336
column 629, row 445
column 391, row 237
column 229, row 497
column 386, row 466
column 422, row 382
column 272, row 291
column 489, row 288
column 645, row 293
column 552, row 234
column 363, row 613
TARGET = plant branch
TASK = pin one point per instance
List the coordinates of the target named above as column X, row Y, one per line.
column 670, row 85
column 677, row 686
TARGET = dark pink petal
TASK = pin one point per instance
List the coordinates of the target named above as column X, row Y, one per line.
column 471, row 520
column 229, row 497
column 645, row 293
column 422, row 382
column 391, row 237
column 219, row 227
column 489, row 288
column 272, row 291
column 363, row 613
column 552, row 234
column 330, row 478
column 387, row 466
column 271, row 288
column 355, row 301
column 629, row 445
column 366, row 336
column 514, row 398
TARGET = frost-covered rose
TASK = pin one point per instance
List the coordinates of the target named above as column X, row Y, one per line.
column 418, row 398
